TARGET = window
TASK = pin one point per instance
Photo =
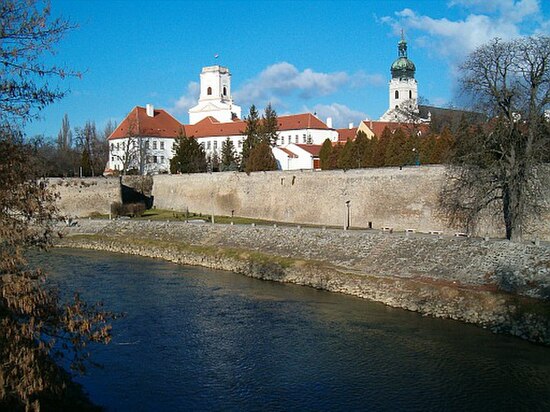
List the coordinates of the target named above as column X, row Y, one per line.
column 224, row 91
column 304, row 139
column 155, row 145
column 296, row 139
column 397, row 94
column 161, row 145
column 215, row 144
column 154, row 159
column 162, row 159
column 112, row 147
column 117, row 146
column 209, row 91
column 147, row 144
column 112, row 159
column 123, row 145
column 240, row 143
column 208, row 145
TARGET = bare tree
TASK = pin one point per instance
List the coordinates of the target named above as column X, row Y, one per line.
column 501, row 163
column 33, row 320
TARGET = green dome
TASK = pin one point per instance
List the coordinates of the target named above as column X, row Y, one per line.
column 403, row 68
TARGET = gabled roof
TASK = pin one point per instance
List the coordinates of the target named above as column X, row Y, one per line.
column 138, row 123
column 312, row 149
column 346, row 134
column 300, row 121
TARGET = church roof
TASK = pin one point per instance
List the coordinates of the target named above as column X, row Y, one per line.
column 138, row 123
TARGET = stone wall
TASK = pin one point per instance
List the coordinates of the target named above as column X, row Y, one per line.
column 81, row 197
column 388, row 197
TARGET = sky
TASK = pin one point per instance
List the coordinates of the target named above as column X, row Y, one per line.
column 326, row 57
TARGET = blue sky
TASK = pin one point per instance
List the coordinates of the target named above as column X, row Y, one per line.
column 323, row 56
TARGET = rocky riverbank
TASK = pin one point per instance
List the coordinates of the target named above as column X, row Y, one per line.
column 496, row 284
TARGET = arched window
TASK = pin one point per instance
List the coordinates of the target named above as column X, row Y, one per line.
column 209, row 91
column 410, row 94
column 397, row 94
column 224, row 91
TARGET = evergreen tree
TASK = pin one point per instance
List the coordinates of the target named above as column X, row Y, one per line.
column 371, row 145
column 396, row 149
column 359, row 148
column 229, row 157
column 334, row 156
column 189, row 156
column 261, row 158
column 345, row 158
column 324, row 155
column 379, row 155
column 269, row 126
column 252, row 134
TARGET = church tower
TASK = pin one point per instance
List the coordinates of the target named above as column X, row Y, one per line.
column 403, row 97
column 215, row 97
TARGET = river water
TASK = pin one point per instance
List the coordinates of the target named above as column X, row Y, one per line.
column 198, row 339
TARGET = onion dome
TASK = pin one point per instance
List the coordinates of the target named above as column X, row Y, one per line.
column 402, row 67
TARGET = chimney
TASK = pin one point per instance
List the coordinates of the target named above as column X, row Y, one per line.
column 329, row 122
column 350, row 126
column 150, row 110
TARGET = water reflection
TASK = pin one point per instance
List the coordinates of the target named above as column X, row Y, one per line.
column 196, row 339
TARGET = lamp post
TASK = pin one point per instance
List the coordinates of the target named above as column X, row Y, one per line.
column 416, row 156
column 348, row 216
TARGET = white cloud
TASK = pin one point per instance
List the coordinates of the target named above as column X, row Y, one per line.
column 341, row 114
column 283, row 79
column 187, row 100
column 486, row 20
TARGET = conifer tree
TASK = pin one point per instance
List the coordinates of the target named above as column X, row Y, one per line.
column 325, row 154
column 189, row 156
column 261, row 158
column 359, row 148
column 345, row 157
column 252, row 134
column 269, row 126
column 229, row 158
column 396, row 150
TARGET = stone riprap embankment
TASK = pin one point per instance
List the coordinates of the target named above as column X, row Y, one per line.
column 500, row 285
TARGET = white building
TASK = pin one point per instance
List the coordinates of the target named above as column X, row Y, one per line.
column 144, row 139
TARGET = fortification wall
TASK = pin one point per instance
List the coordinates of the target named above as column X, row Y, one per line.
column 81, row 197
column 388, row 197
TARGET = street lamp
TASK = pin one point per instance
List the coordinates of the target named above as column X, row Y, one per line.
column 416, row 156
column 348, row 216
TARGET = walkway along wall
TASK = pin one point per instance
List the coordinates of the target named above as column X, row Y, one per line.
column 387, row 197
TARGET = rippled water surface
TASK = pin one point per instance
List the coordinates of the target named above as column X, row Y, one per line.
column 197, row 339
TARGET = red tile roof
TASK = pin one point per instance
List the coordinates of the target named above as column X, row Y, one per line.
column 164, row 125
column 313, row 149
column 137, row 123
column 346, row 134
column 289, row 153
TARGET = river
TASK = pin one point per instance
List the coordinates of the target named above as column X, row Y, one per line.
column 198, row 339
